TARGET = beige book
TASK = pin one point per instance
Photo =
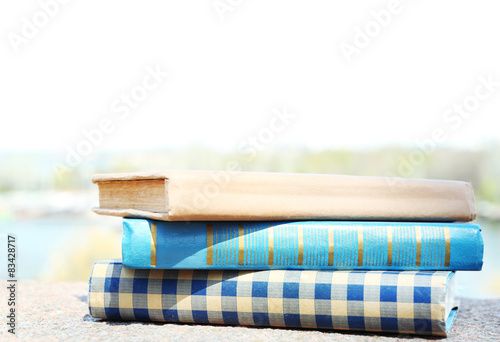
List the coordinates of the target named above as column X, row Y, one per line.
column 255, row 196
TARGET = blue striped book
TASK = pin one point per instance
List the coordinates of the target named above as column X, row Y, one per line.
column 334, row 245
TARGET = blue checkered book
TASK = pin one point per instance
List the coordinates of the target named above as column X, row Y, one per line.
column 413, row 302
column 302, row 245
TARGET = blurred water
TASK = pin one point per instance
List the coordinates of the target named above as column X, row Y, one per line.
column 35, row 241
column 64, row 248
column 46, row 247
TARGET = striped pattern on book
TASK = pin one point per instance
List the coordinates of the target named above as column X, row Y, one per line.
column 302, row 245
column 253, row 244
column 414, row 302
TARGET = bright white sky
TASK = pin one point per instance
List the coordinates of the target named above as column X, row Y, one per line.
column 227, row 76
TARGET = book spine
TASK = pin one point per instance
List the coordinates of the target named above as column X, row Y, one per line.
column 301, row 245
column 414, row 302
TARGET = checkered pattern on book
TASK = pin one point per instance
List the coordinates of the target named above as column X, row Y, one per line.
column 401, row 302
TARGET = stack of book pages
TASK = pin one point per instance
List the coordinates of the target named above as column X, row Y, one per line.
column 286, row 250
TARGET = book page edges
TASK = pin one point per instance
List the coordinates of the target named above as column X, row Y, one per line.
column 141, row 194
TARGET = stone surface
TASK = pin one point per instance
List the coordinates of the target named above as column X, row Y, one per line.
column 58, row 311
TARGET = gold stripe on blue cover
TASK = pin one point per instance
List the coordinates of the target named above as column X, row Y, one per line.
column 330, row 247
column 360, row 246
column 301, row 246
column 241, row 245
column 447, row 246
column 210, row 244
column 418, row 235
column 270, row 260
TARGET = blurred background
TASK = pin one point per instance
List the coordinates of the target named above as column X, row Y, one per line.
column 410, row 89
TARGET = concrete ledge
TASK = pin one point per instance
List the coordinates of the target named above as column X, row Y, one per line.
column 58, row 311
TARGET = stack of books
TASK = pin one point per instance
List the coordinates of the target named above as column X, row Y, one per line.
column 286, row 250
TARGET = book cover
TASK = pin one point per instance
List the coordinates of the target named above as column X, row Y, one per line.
column 302, row 245
column 254, row 196
column 411, row 302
